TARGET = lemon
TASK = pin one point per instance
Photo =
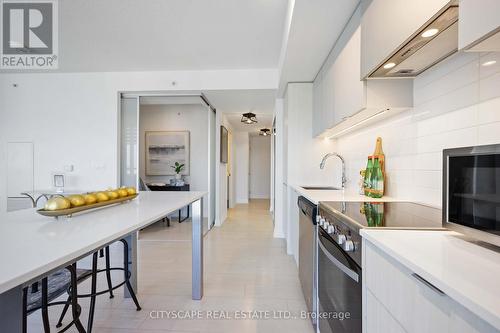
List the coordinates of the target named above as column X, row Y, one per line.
column 57, row 203
column 131, row 190
column 76, row 200
column 122, row 192
column 112, row 194
column 101, row 196
column 90, row 198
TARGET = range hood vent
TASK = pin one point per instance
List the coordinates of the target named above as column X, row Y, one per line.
column 435, row 41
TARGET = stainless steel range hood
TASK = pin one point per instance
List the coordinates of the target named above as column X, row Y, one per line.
column 433, row 42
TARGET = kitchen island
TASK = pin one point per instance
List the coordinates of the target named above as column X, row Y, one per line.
column 33, row 246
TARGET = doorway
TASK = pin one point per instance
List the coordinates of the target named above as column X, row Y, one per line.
column 260, row 167
column 189, row 119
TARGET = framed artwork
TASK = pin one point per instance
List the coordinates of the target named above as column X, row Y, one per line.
column 223, row 144
column 165, row 148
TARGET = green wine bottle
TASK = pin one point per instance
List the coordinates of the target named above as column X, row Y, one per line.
column 378, row 214
column 377, row 180
column 368, row 176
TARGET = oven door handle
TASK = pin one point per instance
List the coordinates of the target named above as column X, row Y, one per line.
column 349, row 272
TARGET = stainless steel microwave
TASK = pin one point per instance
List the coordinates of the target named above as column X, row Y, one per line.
column 471, row 192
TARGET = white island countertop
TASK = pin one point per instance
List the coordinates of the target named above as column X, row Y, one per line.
column 316, row 196
column 32, row 245
column 466, row 272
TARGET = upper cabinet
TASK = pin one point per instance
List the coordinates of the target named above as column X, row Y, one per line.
column 479, row 25
column 388, row 24
column 341, row 99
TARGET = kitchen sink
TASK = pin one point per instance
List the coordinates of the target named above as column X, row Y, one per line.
column 321, row 188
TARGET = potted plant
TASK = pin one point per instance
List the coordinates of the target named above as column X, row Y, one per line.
column 178, row 167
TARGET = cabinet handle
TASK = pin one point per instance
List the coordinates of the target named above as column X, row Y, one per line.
column 428, row 284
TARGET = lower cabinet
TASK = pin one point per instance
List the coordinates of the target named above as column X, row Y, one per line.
column 396, row 299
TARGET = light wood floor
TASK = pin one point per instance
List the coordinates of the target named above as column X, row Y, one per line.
column 247, row 272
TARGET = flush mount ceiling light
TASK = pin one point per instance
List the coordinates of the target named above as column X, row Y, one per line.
column 429, row 32
column 389, row 65
column 265, row 131
column 488, row 63
column 249, row 118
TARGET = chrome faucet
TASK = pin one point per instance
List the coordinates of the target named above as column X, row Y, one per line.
column 323, row 161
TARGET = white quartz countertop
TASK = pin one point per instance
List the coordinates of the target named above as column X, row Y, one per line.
column 466, row 272
column 32, row 244
column 315, row 196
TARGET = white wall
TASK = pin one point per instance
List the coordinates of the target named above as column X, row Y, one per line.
column 223, row 170
column 184, row 117
column 260, row 167
column 72, row 117
column 279, row 211
column 457, row 103
column 301, row 155
column 241, row 165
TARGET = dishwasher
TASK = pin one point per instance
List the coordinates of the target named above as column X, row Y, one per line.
column 308, row 259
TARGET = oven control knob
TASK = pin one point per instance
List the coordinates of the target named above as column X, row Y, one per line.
column 340, row 239
column 325, row 225
column 318, row 218
column 321, row 221
column 348, row 246
column 331, row 229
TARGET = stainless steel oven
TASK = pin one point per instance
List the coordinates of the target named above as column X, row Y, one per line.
column 339, row 288
column 471, row 191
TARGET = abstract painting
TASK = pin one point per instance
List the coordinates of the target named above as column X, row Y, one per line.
column 165, row 148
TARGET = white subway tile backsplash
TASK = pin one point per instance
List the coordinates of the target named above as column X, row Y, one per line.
column 488, row 111
column 449, row 112
column 488, row 134
column 444, row 68
column 447, row 122
column 489, row 64
column 456, row 79
column 428, row 178
column 451, row 139
column 429, row 161
column 489, row 87
column 457, row 99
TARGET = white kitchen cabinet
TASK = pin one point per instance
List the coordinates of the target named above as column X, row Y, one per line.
column 380, row 320
column 478, row 19
column 387, row 24
column 338, row 91
column 341, row 99
column 408, row 300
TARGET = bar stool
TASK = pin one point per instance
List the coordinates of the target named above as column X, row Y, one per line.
column 35, row 299
column 93, row 288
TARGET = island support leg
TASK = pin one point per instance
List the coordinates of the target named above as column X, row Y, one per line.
column 197, row 250
column 11, row 311
column 132, row 262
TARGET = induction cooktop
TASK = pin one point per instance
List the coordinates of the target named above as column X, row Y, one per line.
column 397, row 215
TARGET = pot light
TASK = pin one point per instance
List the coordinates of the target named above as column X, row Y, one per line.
column 429, row 32
column 489, row 63
column 249, row 118
column 389, row 65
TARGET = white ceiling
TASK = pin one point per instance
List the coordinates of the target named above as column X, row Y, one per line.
column 314, row 28
column 126, row 35
column 259, row 101
column 233, row 103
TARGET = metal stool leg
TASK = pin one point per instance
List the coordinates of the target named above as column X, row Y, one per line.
column 93, row 291
column 25, row 311
column 127, row 272
column 63, row 313
column 45, row 312
column 108, row 273
column 75, row 308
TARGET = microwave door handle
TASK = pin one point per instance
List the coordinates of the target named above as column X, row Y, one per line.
column 349, row 272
